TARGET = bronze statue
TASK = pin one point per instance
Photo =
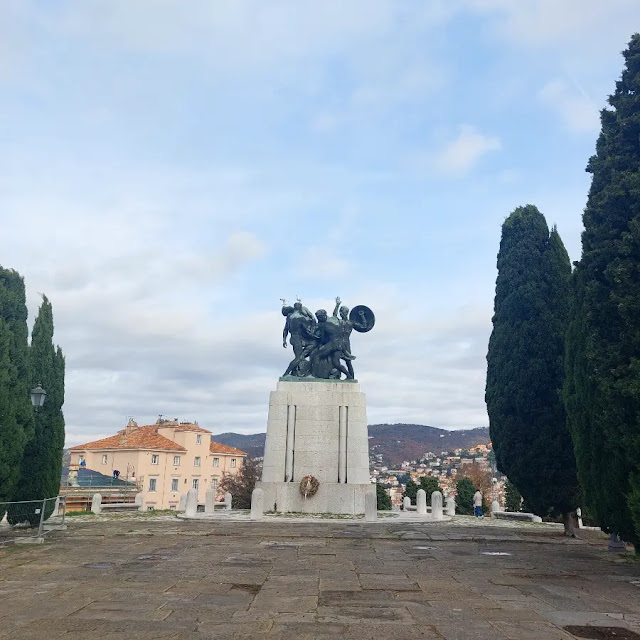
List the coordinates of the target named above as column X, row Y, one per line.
column 321, row 343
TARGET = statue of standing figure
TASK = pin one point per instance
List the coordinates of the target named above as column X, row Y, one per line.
column 321, row 343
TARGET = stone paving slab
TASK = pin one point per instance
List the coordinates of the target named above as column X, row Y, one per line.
column 162, row 578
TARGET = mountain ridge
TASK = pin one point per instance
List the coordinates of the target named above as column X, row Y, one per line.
column 395, row 442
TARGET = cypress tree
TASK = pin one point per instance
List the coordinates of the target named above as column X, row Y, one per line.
column 42, row 461
column 525, row 371
column 16, row 419
column 464, row 496
column 383, row 499
column 602, row 388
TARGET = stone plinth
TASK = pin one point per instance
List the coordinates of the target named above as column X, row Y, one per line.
column 317, row 428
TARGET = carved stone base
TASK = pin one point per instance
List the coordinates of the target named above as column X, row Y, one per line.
column 317, row 428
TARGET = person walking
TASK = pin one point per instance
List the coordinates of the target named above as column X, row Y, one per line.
column 477, row 504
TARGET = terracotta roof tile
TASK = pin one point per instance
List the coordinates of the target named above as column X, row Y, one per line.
column 146, row 437
column 218, row 447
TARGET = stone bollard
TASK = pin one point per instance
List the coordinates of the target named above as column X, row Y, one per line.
column 96, row 503
column 579, row 518
column 182, row 504
column 406, row 503
column 56, row 508
column 139, row 501
column 191, row 508
column 421, row 502
column 436, row 505
column 495, row 508
column 210, row 501
column 451, row 506
column 370, row 506
column 257, row 504
column 227, row 501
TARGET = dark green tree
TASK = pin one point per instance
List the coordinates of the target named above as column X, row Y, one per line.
column 16, row 414
column 512, row 497
column 602, row 388
column 525, row 370
column 429, row 484
column 383, row 498
column 42, row 460
column 464, row 496
column 410, row 490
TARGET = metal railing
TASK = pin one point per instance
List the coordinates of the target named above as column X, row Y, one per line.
column 31, row 520
column 96, row 481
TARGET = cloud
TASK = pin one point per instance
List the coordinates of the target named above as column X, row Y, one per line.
column 545, row 23
column 461, row 154
column 579, row 113
column 167, row 175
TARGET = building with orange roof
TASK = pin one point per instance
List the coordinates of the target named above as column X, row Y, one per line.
column 166, row 459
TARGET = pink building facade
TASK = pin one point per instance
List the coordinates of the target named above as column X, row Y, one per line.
column 165, row 460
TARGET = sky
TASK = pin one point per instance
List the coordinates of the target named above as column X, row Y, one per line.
column 169, row 171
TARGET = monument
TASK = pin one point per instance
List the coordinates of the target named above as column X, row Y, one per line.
column 316, row 457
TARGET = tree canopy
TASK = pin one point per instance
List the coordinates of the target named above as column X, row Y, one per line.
column 16, row 423
column 464, row 496
column 383, row 498
column 525, row 360
column 41, row 463
column 602, row 388
column 429, row 484
column 241, row 484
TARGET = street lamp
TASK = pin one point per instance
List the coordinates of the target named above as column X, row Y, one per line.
column 37, row 397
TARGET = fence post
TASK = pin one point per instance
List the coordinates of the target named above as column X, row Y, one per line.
column 64, row 508
column 41, row 527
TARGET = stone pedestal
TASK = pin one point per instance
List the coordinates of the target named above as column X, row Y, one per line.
column 317, row 428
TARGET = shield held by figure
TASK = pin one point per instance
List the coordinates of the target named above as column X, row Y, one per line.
column 363, row 318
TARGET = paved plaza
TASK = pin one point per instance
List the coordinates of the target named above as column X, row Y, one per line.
column 162, row 577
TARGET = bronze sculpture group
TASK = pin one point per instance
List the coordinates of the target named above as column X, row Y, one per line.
column 322, row 344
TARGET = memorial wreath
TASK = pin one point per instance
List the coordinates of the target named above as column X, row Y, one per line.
column 309, row 486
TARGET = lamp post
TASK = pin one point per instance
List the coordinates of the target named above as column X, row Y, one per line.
column 38, row 395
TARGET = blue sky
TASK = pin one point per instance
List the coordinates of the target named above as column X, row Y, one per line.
column 170, row 170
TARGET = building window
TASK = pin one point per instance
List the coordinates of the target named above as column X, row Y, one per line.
column 216, row 462
column 198, row 439
column 104, row 459
column 233, row 463
column 155, row 459
column 172, row 507
column 176, row 461
column 196, row 461
column 174, row 484
column 152, row 484
column 214, row 483
column 196, row 483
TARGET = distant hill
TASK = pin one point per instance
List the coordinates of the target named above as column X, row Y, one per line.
column 399, row 442
column 396, row 442
column 253, row 443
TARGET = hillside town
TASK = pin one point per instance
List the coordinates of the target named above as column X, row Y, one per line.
column 447, row 467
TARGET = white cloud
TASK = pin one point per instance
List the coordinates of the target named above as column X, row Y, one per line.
column 463, row 153
column 545, row 23
column 578, row 112
column 321, row 263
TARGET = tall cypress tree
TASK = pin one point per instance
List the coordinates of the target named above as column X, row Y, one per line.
column 42, row 461
column 16, row 419
column 525, row 371
column 602, row 389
